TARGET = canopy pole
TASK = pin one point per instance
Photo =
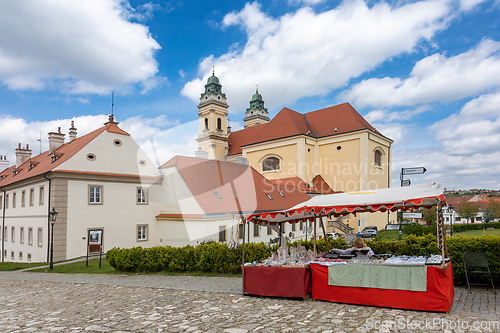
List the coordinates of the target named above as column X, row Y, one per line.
column 315, row 254
column 243, row 261
column 324, row 234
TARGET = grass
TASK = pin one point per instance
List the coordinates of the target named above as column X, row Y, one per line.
column 394, row 234
column 93, row 268
column 15, row 266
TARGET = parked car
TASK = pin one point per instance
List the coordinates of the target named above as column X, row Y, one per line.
column 333, row 235
column 367, row 233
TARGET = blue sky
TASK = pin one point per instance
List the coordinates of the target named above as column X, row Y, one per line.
column 424, row 73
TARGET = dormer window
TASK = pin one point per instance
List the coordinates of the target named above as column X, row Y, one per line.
column 15, row 171
column 281, row 193
column 32, row 164
column 271, row 164
column 56, row 156
column 270, row 197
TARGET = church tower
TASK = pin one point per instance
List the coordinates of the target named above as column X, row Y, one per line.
column 213, row 138
column 256, row 114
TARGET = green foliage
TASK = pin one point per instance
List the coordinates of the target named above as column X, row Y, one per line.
column 468, row 210
column 418, row 229
column 218, row 258
column 474, row 226
column 429, row 214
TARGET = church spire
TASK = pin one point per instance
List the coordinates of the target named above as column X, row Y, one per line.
column 256, row 114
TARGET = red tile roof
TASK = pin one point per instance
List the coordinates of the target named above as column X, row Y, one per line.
column 338, row 119
column 241, row 187
column 44, row 162
column 318, row 186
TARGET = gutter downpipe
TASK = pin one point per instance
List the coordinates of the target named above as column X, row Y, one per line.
column 48, row 216
column 3, row 224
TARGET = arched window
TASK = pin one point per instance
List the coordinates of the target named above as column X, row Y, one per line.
column 219, row 123
column 378, row 158
column 206, row 123
column 271, row 164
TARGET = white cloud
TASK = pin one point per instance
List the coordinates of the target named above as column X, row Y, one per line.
column 388, row 116
column 307, row 53
column 435, row 78
column 160, row 137
column 473, row 130
column 77, row 47
column 305, row 2
column 467, row 5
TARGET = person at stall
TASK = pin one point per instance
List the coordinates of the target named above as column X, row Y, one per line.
column 359, row 248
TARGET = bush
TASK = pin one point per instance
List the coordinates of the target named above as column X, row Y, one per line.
column 474, row 226
column 218, row 258
column 418, row 229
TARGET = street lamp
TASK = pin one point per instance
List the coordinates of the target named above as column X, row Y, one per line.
column 52, row 217
column 450, row 209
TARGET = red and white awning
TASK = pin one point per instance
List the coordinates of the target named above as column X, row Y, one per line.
column 392, row 199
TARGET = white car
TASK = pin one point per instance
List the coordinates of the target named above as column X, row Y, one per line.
column 369, row 233
column 333, row 235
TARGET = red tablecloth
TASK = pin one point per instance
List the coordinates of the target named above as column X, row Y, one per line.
column 278, row 281
column 438, row 297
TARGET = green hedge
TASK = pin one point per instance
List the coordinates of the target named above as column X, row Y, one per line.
column 458, row 227
column 218, row 258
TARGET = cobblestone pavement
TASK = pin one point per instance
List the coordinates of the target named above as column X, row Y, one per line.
column 41, row 302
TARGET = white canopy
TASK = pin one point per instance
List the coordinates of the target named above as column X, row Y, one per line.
column 392, row 199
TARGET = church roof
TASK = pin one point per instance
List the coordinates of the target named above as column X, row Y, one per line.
column 317, row 186
column 43, row 163
column 333, row 120
column 239, row 187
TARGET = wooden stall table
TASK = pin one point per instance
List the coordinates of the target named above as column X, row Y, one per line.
column 278, row 281
column 438, row 296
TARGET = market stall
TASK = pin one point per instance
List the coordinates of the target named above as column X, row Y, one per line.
column 421, row 279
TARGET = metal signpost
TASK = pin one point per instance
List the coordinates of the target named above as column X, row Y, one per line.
column 407, row 182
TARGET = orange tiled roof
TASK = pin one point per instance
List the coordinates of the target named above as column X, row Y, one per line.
column 240, row 187
column 44, row 162
column 338, row 119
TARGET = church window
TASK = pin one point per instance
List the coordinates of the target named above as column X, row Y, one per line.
column 206, row 123
column 271, row 164
column 219, row 123
column 378, row 158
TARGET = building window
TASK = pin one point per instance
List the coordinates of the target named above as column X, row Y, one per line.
column 256, row 230
column 12, row 255
column 20, row 255
column 142, row 232
column 29, row 257
column 12, row 234
column 41, row 196
column 14, row 199
column 32, row 196
column 21, row 235
column 271, row 164
column 293, row 227
column 301, row 225
column 269, row 230
column 40, row 237
column 142, row 196
column 206, row 123
column 218, row 195
column 378, row 158
column 240, row 231
column 222, row 233
column 219, row 124
column 6, row 201
column 5, row 234
column 269, row 197
column 23, row 198
column 30, row 236
column 95, row 194
column 1, row 201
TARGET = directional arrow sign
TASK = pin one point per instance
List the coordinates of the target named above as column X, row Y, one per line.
column 413, row 171
column 406, row 182
column 412, row 215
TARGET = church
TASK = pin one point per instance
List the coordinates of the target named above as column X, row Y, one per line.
column 102, row 183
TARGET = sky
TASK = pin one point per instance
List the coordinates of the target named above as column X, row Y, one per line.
column 425, row 73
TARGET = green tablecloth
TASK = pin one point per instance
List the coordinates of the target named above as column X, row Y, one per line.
column 379, row 276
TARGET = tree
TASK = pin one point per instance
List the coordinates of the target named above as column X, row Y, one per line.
column 429, row 215
column 468, row 211
column 492, row 211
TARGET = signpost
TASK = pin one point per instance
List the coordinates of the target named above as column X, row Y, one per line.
column 410, row 171
column 412, row 215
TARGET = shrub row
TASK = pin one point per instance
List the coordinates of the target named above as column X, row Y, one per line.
column 457, row 227
column 215, row 257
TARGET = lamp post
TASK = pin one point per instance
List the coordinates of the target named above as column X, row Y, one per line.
column 450, row 209
column 52, row 217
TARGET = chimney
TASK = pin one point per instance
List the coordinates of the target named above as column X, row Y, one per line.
column 56, row 140
column 72, row 131
column 22, row 155
column 4, row 164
